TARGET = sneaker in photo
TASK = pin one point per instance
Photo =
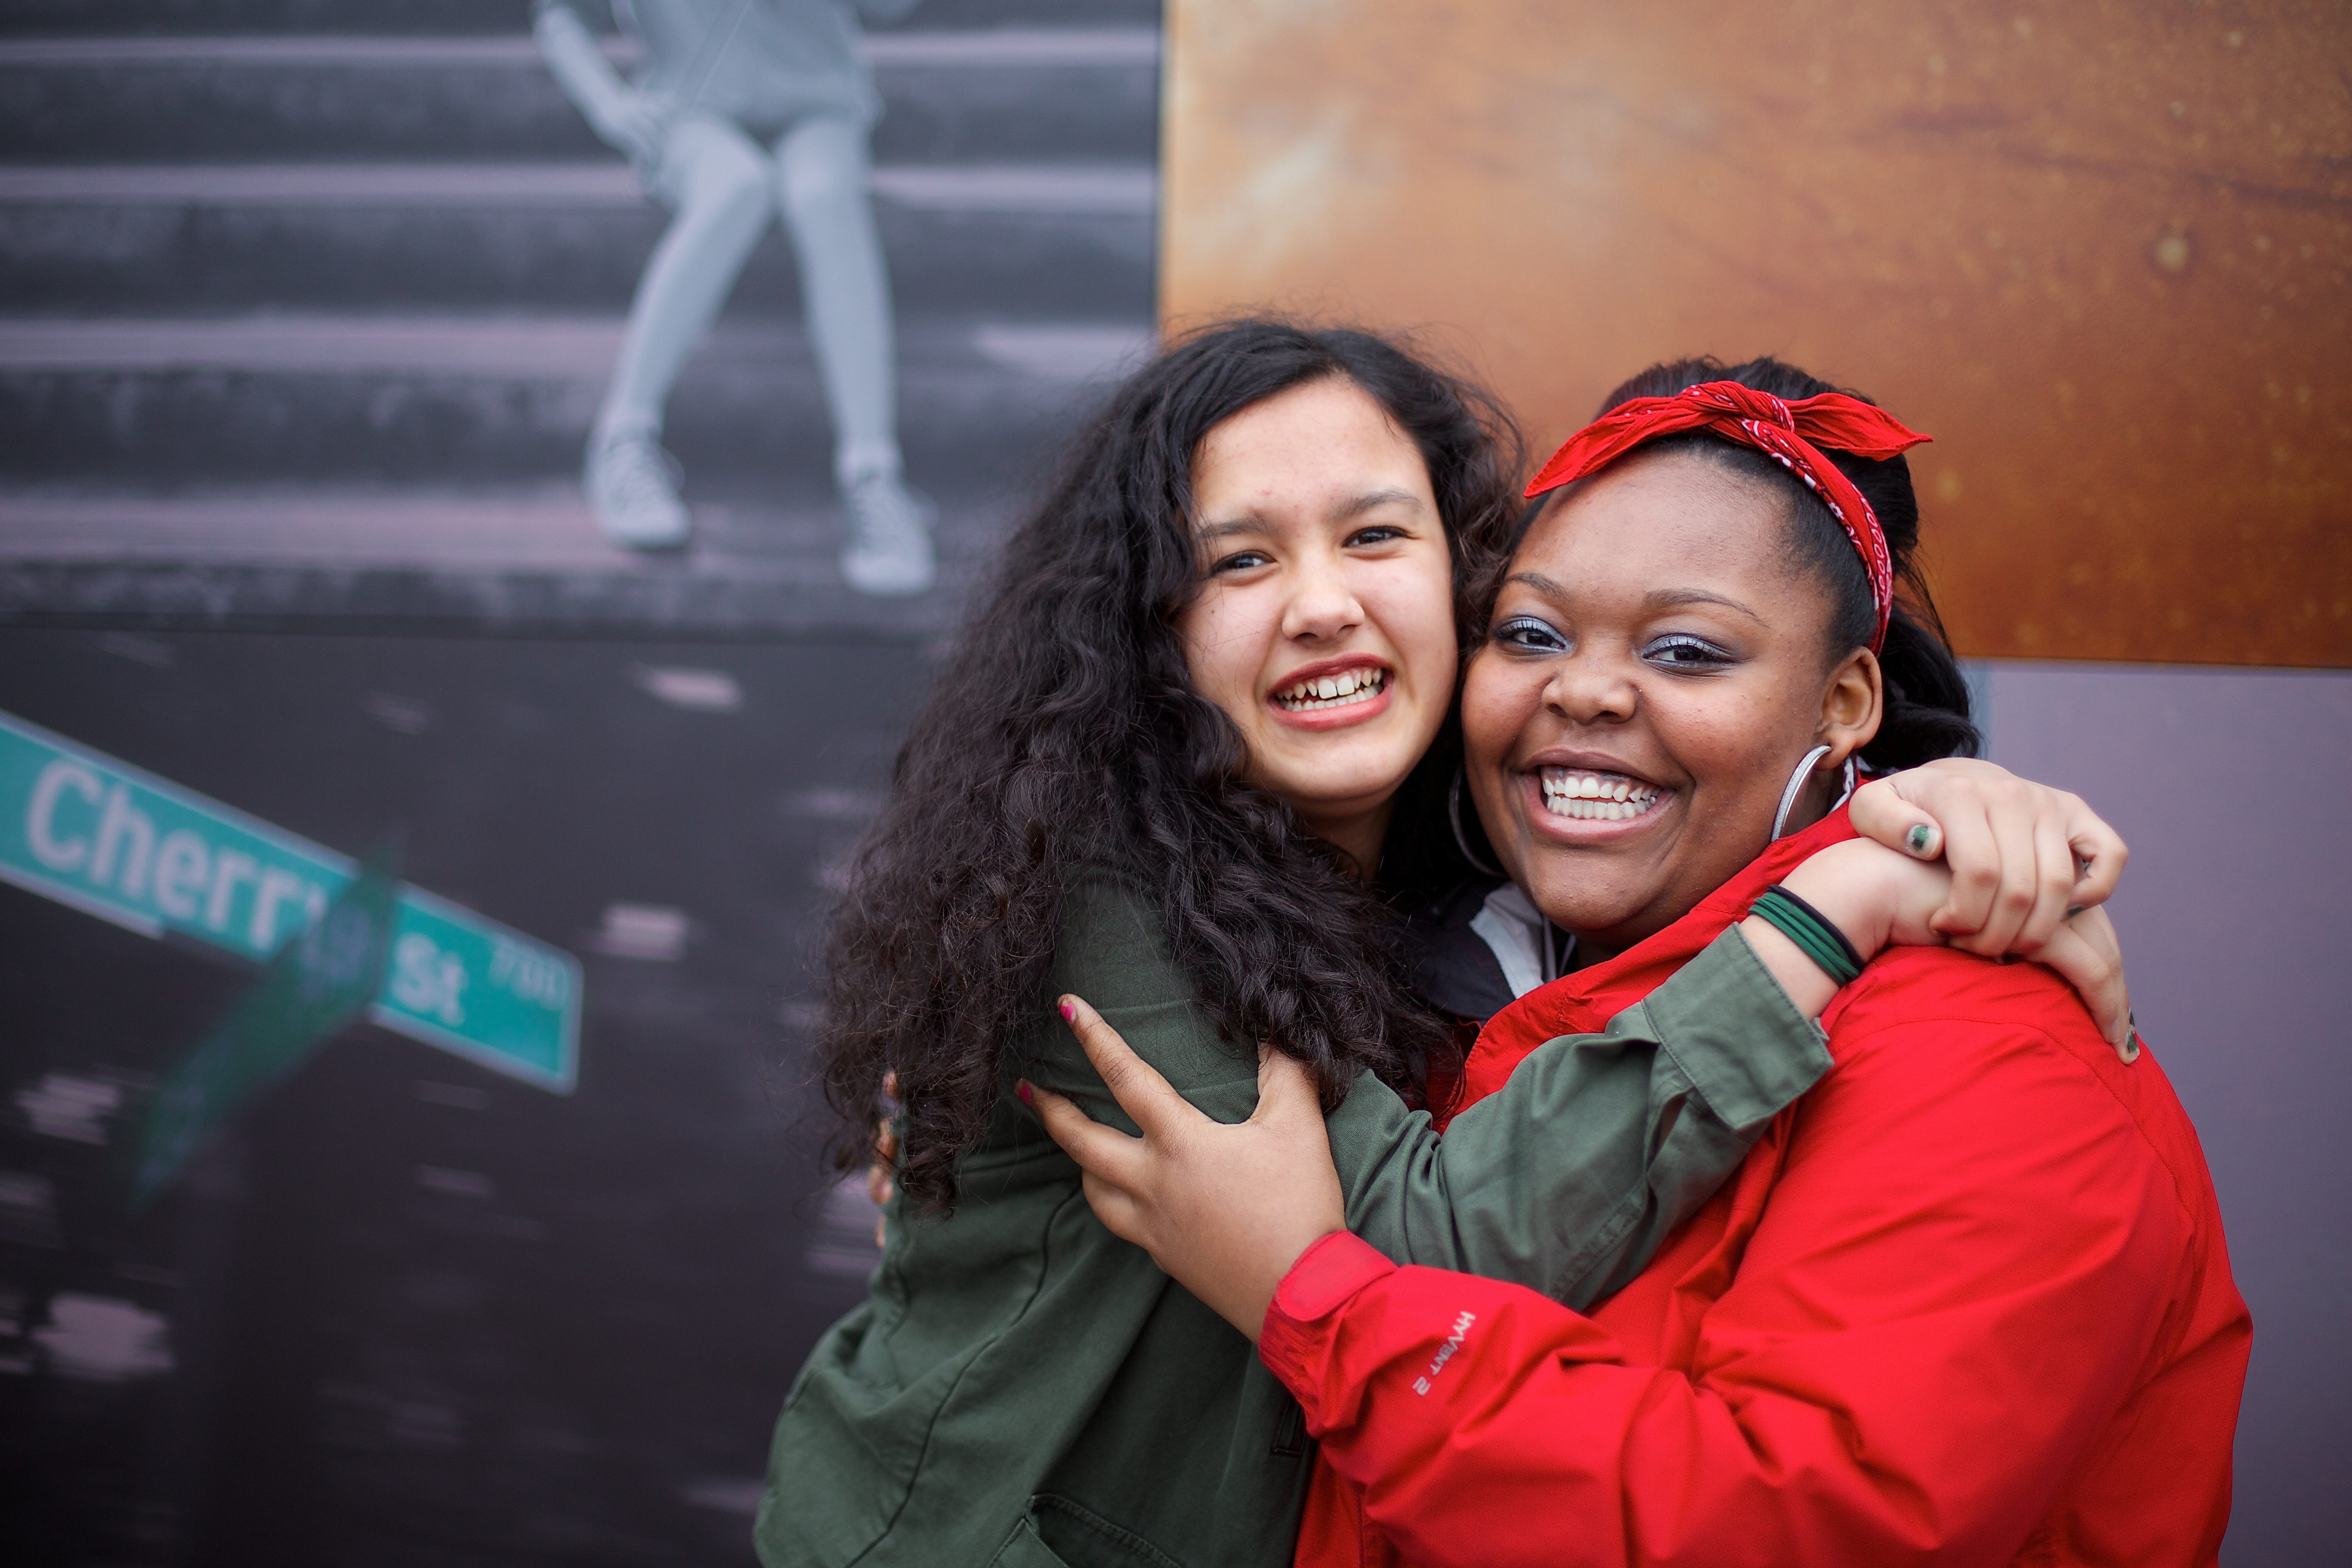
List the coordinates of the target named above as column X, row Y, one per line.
column 890, row 552
column 632, row 488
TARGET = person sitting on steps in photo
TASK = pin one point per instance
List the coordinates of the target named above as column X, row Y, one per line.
column 747, row 111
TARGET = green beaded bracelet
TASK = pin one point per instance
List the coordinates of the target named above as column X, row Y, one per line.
column 1818, row 939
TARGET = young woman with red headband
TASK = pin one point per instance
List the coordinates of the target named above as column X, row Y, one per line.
column 1967, row 1301
column 1191, row 758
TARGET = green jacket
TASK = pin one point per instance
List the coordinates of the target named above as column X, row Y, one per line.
column 1022, row 1388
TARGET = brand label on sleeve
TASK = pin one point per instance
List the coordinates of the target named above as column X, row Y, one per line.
column 1446, row 1351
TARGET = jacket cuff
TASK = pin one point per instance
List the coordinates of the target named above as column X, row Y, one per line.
column 1326, row 1277
column 1747, row 1050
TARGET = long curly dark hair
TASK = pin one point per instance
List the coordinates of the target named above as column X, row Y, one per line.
column 1926, row 713
column 1064, row 732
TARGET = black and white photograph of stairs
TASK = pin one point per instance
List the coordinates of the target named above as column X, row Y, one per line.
column 307, row 308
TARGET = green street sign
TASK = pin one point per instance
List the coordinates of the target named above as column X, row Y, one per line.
column 110, row 840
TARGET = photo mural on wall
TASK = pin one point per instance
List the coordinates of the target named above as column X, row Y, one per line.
column 691, row 313
column 483, row 487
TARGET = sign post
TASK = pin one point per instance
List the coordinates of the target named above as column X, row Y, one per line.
column 319, row 981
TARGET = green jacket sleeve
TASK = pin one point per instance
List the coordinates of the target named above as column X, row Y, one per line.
column 1568, row 1178
column 1114, row 954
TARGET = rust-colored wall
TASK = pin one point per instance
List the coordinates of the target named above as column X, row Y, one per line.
column 2099, row 249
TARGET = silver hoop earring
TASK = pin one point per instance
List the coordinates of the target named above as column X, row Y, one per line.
column 1796, row 787
column 1852, row 782
column 1453, row 817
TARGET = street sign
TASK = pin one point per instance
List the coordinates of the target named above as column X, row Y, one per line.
column 77, row 826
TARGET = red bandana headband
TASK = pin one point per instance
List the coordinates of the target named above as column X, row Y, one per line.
column 1788, row 433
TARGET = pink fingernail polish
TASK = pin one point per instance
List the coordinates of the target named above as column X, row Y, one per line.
column 1067, row 1012
column 1025, row 1094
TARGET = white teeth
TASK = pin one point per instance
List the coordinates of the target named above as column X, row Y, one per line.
column 1333, row 691
column 1584, row 810
column 1588, row 798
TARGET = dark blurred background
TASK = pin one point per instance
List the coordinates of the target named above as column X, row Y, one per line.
column 305, row 307
column 413, row 1311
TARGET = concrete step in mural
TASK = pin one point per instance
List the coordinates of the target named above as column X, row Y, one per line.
column 479, row 16
column 526, row 558
column 494, row 399
column 1039, row 239
column 976, row 96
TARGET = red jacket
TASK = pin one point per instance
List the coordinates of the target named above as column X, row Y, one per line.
column 1967, row 1302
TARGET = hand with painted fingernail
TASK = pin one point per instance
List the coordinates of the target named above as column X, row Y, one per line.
column 2023, row 856
column 1879, row 898
column 882, row 1174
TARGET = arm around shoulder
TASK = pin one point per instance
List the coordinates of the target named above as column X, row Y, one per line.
column 1567, row 1177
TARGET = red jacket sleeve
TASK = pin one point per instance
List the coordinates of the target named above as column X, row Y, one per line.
column 1961, row 1273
